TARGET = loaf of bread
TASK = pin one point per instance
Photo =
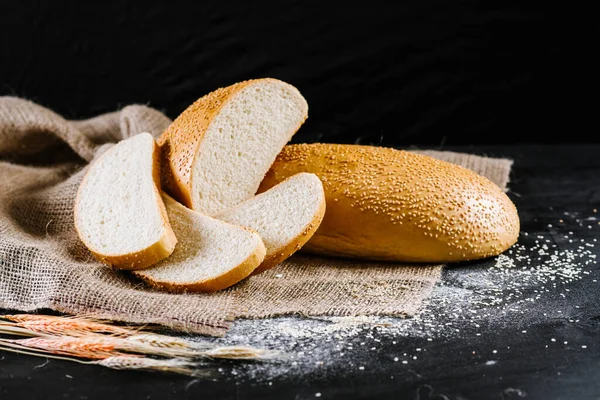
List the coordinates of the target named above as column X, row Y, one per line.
column 217, row 151
column 119, row 212
column 393, row 205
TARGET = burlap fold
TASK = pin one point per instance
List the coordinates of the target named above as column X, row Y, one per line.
column 43, row 264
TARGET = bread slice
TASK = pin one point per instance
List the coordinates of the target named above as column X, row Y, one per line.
column 119, row 212
column 216, row 153
column 285, row 216
column 211, row 254
column 393, row 205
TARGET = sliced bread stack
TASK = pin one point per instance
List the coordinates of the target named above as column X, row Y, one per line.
column 213, row 158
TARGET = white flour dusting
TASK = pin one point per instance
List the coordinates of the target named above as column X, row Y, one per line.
column 499, row 291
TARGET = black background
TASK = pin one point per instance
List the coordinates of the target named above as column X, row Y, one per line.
column 417, row 72
column 444, row 73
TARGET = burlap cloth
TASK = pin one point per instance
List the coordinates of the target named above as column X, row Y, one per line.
column 43, row 265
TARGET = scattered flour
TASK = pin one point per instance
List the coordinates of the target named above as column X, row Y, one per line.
column 469, row 298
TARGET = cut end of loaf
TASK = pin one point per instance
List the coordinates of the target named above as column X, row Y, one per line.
column 119, row 214
column 218, row 150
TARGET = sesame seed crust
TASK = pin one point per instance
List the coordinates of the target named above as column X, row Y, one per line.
column 393, row 205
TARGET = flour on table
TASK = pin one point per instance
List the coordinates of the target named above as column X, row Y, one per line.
column 500, row 292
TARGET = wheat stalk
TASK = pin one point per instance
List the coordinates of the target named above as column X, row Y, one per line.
column 174, row 365
column 15, row 330
column 90, row 348
column 114, row 346
column 241, row 353
column 73, row 326
column 149, row 344
column 124, row 339
column 178, row 366
column 168, row 346
column 157, row 340
column 100, row 347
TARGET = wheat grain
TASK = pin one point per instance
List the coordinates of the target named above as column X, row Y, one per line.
column 158, row 340
column 168, row 346
column 15, row 330
column 175, row 365
column 90, row 348
column 241, row 353
column 179, row 366
column 74, row 326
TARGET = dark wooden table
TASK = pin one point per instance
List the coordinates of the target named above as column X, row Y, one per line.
column 549, row 351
